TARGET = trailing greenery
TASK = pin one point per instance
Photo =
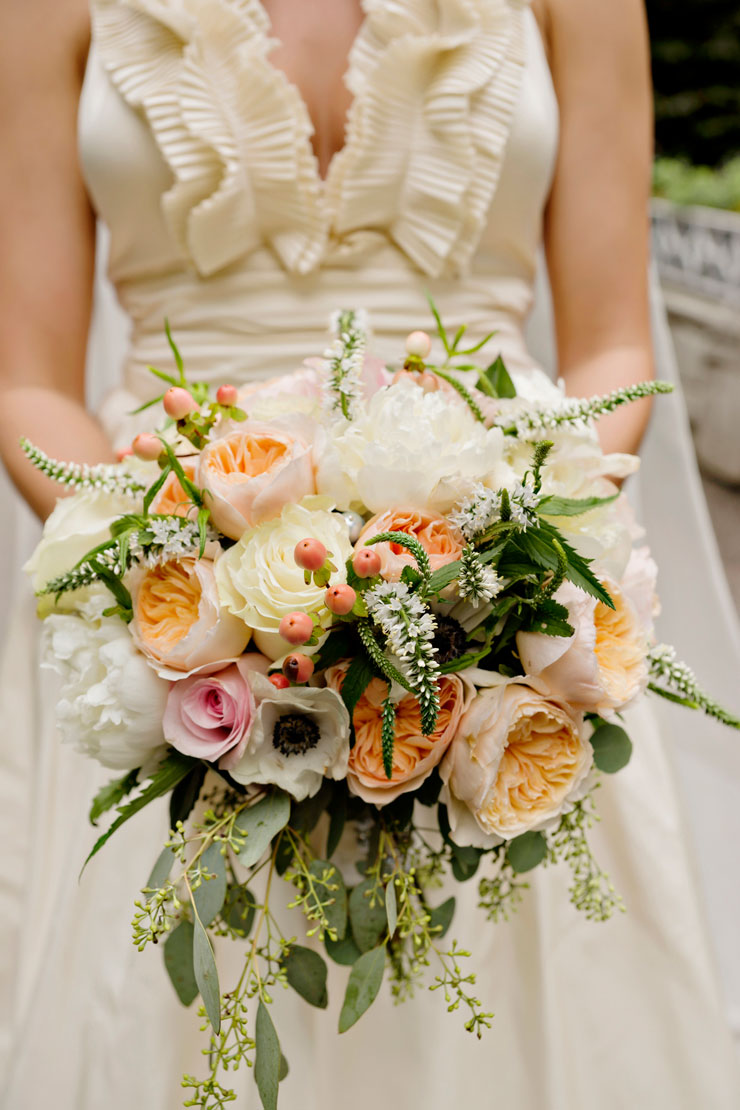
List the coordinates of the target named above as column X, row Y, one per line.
column 685, row 184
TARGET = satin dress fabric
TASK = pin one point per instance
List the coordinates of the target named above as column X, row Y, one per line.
column 197, row 156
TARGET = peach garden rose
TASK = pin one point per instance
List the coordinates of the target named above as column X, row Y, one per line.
column 249, row 474
column 442, row 540
column 178, row 621
column 519, row 756
column 414, row 755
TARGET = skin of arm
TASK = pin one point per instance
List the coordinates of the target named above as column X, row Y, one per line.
column 597, row 223
column 47, row 230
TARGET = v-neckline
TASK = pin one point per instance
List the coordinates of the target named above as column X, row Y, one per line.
column 323, row 181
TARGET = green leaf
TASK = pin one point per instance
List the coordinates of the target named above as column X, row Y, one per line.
column 335, row 910
column 498, row 378
column 267, row 1058
column 368, row 922
column 306, row 973
column 185, row 794
column 429, row 791
column 284, row 1069
column 174, row 768
column 549, row 618
column 337, row 821
column 163, row 376
column 391, row 907
column 440, row 918
column 612, row 748
column 304, row 815
column 203, row 517
column 363, row 986
column 206, row 973
column 343, row 951
column 464, row 863
column 443, row 576
column 175, row 352
column 537, row 543
column 239, row 908
column 154, row 489
column 571, row 506
column 209, row 896
column 260, row 823
column 178, row 959
column 356, row 681
column 111, row 794
column 161, row 870
column 440, row 326
column 526, row 851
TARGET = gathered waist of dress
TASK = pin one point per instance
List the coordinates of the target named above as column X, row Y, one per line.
column 259, row 321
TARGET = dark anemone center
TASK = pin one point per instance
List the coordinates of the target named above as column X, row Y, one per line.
column 450, row 639
column 295, row 734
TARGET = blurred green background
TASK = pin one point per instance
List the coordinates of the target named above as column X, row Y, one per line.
column 696, row 71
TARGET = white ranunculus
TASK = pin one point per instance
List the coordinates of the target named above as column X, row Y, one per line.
column 76, row 525
column 299, row 736
column 408, row 447
column 111, row 703
column 259, row 580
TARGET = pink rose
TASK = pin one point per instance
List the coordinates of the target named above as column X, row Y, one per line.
column 249, row 474
column 210, row 716
column 442, row 541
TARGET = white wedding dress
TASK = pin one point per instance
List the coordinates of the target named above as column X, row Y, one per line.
column 197, row 155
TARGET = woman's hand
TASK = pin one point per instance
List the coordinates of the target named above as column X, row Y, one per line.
column 47, row 231
column 597, row 221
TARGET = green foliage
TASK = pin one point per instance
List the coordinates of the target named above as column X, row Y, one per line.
column 571, row 506
column 178, row 959
column 113, row 793
column 267, row 1059
column 239, row 909
column 526, row 852
column 185, row 794
column 440, row 918
column 363, row 986
column 496, row 380
column 306, row 974
column 206, row 973
column 260, row 823
column 344, row 951
column 612, row 748
column 210, row 892
column 367, row 914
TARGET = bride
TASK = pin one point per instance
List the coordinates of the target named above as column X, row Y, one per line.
column 259, row 164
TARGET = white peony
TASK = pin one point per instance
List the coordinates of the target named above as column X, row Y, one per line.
column 299, row 736
column 111, row 703
column 408, row 447
column 259, row 580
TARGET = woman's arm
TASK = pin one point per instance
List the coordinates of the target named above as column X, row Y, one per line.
column 597, row 226
column 47, row 232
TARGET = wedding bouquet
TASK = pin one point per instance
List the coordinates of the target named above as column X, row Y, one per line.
column 325, row 614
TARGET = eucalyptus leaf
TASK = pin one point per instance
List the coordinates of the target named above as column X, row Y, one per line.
column 391, row 907
column 260, row 823
column 344, row 951
column 368, row 921
column 161, row 870
column 206, row 974
column 267, row 1058
column 440, row 918
column 306, row 973
column 239, row 909
column 178, row 960
column 209, row 896
column 612, row 748
column 185, row 794
column 304, row 815
column 362, row 989
column 284, row 1069
column 526, row 851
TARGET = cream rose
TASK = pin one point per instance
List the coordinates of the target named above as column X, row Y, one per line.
column 259, row 580
column 603, row 666
column 249, row 474
column 178, row 621
column 298, row 737
column 519, row 757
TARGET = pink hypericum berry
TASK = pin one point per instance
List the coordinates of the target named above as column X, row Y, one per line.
column 178, row 403
column 298, row 667
column 310, row 554
column 340, row 599
column 296, row 628
column 418, row 344
column 279, row 681
column 227, row 395
column 146, row 447
column 366, row 562
column 123, row 453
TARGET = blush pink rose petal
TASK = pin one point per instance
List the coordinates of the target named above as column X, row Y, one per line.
column 210, row 716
